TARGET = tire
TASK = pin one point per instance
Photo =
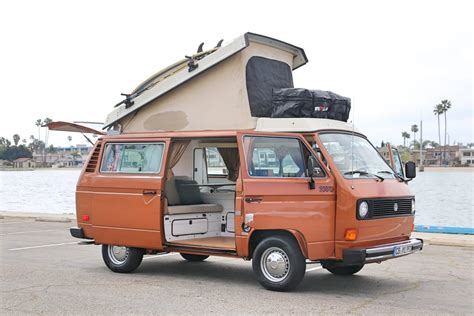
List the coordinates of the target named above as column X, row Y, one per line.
column 193, row 258
column 278, row 263
column 122, row 259
column 345, row 270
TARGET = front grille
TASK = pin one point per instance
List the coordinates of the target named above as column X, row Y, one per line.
column 379, row 208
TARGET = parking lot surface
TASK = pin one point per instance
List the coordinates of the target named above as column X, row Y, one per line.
column 44, row 271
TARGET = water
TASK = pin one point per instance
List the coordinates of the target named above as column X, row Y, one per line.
column 39, row 191
column 443, row 198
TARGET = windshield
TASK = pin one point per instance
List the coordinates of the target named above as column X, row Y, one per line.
column 355, row 157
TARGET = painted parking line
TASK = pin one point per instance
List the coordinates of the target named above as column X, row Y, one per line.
column 313, row 269
column 33, row 231
column 43, row 246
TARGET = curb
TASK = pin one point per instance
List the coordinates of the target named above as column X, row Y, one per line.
column 53, row 219
column 39, row 217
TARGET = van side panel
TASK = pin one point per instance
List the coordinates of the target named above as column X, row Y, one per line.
column 122, row 209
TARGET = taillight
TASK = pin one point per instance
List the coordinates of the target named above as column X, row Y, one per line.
column 85, row 218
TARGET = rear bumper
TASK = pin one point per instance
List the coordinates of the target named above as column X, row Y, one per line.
column 77, row 232
column 382, row 252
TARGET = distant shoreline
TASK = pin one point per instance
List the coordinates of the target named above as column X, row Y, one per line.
column 446, row 169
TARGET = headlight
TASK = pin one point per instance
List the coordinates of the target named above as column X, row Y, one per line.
column 363, row 209
column 413, row 206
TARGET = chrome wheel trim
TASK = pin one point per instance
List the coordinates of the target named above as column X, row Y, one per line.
column 118, row 254
column 275, row 264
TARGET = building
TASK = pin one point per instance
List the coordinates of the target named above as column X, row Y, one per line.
column 466, row 155
column 69, row 157
column 24, row 163
column 451, row 154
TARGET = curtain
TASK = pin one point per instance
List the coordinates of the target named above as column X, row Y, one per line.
column 177, row 150
column 232, row 162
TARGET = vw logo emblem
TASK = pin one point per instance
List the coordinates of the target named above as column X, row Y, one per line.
column 395, row 207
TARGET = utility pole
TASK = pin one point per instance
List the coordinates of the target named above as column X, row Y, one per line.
column 421, row 168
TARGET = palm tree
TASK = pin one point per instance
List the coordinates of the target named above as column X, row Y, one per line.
column 438, row 110
column 16, row 139
column 445, row 105
column 433, row 144
column 39, row 123
column 46, row 121
column 405, row 136
column 414, row 129
column 69, row 138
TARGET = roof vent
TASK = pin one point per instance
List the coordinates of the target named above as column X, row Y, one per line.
column 94, row 159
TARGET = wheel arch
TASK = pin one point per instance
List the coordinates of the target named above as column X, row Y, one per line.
column 258, row 235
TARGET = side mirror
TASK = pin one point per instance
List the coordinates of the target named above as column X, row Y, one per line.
column 313, row 167
column 313, row 170
column 410, row 170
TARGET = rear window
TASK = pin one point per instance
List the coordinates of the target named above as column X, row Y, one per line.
column 133, row 158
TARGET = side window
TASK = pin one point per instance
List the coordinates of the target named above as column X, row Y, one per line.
column 215, row 164
column 275, row 157
column 132, row 158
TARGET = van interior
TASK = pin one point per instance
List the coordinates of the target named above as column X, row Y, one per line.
column 199, row 203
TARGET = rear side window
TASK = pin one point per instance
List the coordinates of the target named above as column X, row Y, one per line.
column 133, row 158
column 275, row 157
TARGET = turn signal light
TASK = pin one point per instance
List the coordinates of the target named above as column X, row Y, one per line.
column 350, row 235
column 85, row 218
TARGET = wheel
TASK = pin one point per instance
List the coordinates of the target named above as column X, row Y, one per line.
column 345, row 270
column 278, row 263
column 193, row 258
column 122, row 259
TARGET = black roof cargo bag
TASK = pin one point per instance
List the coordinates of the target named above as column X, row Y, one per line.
column 297, row 102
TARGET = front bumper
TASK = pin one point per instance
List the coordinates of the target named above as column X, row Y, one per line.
column 382, row 252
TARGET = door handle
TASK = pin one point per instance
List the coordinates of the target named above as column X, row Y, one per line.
column 253, row 199
column 149, row 192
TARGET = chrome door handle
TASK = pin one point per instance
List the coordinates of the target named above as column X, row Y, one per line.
column 253, row 199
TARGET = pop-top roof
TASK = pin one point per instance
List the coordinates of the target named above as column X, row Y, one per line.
column 173, row 76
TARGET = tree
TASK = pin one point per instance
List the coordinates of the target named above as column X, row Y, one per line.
column 425, row 144
column 438, row 110
column 382, row 144
column 38, row 123
column 445, row 105
column 405, row 136
column 15, row 152
column 69, row 139
column 24, row 141
column 52, row 150
column 414, row 129
column 16, row 139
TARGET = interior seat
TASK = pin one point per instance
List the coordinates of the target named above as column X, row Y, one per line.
column 184, row 197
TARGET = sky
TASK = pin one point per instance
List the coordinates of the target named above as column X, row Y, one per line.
column 396, row 60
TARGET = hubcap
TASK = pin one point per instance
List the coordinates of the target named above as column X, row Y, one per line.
column 275, row 264
column 118, row 254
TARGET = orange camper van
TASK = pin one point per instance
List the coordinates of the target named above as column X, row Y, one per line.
column 218, row 154
column 288, row 192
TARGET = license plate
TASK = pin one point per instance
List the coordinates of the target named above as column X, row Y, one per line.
column 402, row 250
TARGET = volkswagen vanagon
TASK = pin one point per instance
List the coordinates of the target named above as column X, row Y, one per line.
column 286, row 193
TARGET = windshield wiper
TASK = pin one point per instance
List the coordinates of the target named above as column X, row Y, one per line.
column 396, row 175
column 364, row 173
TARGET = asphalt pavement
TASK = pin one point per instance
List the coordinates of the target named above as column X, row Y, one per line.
column 44, row 271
